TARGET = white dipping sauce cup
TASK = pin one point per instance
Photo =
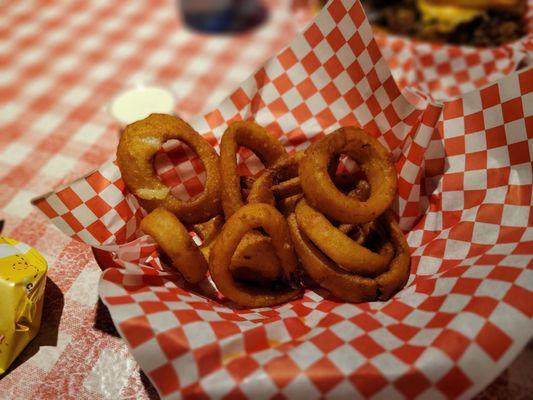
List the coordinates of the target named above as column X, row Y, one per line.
column 139, row 102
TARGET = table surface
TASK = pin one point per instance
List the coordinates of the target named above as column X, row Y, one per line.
column 60, row 66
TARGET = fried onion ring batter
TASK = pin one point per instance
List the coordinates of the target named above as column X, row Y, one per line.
column 351, row 287
column 254, row 260
column 277, row 182
column 174, row 239
column 256, row 138
column 373, row 159
column 339, row 247
column 247, row 218
column 326, row 273
column 288, row 205
column 138, row 145
column 209, row 230
column 400, row 266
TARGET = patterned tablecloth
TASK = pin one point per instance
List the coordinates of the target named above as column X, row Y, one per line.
column 60, row 64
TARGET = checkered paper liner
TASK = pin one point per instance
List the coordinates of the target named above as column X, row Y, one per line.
column 446, row 71
column 465, row 188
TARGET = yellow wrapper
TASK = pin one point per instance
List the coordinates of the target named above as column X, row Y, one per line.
column 22, row 282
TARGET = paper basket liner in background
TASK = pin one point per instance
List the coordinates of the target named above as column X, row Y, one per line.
column 464, row 199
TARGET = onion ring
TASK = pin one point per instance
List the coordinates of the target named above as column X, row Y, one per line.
column 255, row 259
column 337, row 246
column 174, row 239
column 277, row 176
column 326, row 273
column 400, row 267
column 209, row 230
column 246, row 183
column 256, row 138
column 247, row 218
column 281, row 181
column 361, row 192
column 348, row 286
column 373, row 159
column 345, row 182
column 287, row 188
column 288, row 205
column 362, row 234
column 138, row 145
column 356, row 232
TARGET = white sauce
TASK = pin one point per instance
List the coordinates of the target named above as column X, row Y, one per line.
column 137, row 103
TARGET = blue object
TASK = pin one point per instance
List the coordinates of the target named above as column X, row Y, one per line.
column 216, row 16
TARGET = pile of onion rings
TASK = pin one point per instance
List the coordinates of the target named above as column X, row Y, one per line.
column 262, row 237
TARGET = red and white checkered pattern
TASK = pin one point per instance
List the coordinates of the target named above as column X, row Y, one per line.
column 61, row 63
column 446, row 71
column 465, row 193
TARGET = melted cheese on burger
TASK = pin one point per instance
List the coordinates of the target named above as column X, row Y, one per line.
column 446, row 17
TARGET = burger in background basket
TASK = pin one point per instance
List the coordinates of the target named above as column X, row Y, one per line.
column 482, row 23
